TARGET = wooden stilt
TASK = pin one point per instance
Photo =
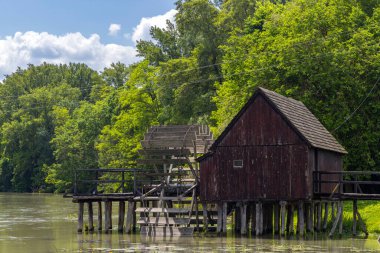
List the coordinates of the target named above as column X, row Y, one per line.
column 253, row 219
column 196, row 213
column 100, row 218
column 220, row 218
column 333, row 210
column 120, row 225
column 259, row 218
column 205, row 219
column 290, row 219
column 243, row 219
column 248, row 220
column 300, row 222
column 354, row 216
column 341, row 218
column 361, row 223
column 270, row 219
column 108, row 215
column 337, row 219
column 80, row 217
column 130, row 216
column 224, row 230
column 90, row 217
column 326, row 216
column 237, row 217
column 319, row 216
column 276, row 213
column 283, row 216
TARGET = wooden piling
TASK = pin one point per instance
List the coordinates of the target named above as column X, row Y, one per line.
column 283, row 216
column 80, row 217
column 259, row 218
column 220, row 218
column 100, row 218
column 243, row 219
column 332, row 210
column 290, row 219
column 205, row 219
column 354, row 216
column 319, row 216
column 90, row 217
column 341, row 218
column 130, row 217
column 300, row 222
column 337, row 219
column 326, row 216
column 253, row 218
column 108, row 215
column 237, row 217
column 120, row 225
column 276, row 214
column 224, row 229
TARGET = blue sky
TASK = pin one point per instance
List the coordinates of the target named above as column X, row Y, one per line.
column 96, row 32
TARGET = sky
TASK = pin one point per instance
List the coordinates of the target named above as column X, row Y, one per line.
column 95, row 32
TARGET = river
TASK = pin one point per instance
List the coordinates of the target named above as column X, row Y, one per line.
column 47, row 223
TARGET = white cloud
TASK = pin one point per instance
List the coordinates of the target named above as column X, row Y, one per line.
column 114, row 29
column 36, row 48
column 141, row 31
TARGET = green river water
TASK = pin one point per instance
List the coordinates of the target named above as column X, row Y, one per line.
column 47, row 223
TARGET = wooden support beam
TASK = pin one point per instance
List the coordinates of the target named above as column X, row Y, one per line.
column 224, row 230
column 253, row 218
column 100, row 218
column 319, row 216
column 276, row 214
column 300, row 222
column 205, row 218
column 361, row 223
column 326, row 216
column 80, row 217
column 120, row 225
column 108, row 215
column 290, row 219
column 337, row 219
column 259, row 218
column 354, row 216
column 333, row 210
column 90, row 217
column 243, row 219
column 130, row 217
column 220, row 218
column 283, row 216
column 341, row 219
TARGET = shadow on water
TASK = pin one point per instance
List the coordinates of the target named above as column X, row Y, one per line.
column 47, row 223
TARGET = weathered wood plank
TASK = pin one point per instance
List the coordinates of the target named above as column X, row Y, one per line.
column 166, row 231
column 161, row 152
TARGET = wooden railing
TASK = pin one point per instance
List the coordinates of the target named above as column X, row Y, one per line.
column 124, row 181
column 346, row 184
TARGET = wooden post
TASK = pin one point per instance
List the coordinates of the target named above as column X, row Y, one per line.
column 90, row 217
column 248, row 221
column 326, row 216
column 220, row 218
column 354, row 216
column 243, row 219
column 337, row 219
column 300, row 222
column 237, row 216
column 319, row 216
column 253, row 218
column 333, row 210
column 80, row 217
column 259, row 218
column 276, row 218
column 196, row 212
column 100, row 221
column 341, row 218
column 130, row 216
column 108, row 215
column 120, row 225
column 283, row 216
column 290, row 219
column 205, row 219
column 224, row 230
column 362, row 224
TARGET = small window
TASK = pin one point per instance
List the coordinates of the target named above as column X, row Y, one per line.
column 238, row 164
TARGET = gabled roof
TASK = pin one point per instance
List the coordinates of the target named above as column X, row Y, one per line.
column 298, row 117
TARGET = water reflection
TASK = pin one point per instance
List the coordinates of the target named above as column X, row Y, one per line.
column 47, row 223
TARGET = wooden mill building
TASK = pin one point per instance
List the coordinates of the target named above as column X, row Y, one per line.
column 268, row 154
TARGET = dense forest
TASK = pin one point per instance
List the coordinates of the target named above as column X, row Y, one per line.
column 202, row 69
